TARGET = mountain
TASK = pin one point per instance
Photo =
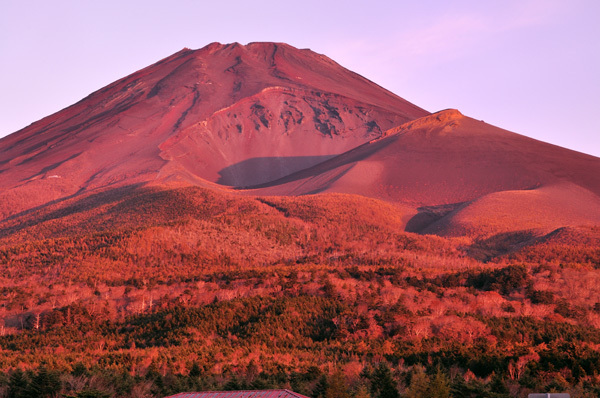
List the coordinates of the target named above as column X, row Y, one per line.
column 242, row 217
column 462, row 176
column 226, row 114
column 269, row 119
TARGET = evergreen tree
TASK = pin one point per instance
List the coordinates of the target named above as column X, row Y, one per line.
column 382, row 383
column 474, row 389
column 195, row 371
column 422, row 386
column 79, row 369
column 44, row 384
column 17, row 385
column 419, row 384
column 337, row 386
column 362, row 392
column 498, row 387
column 233, row 384
column 92, row 394
column 439, row 386
column 321, row 387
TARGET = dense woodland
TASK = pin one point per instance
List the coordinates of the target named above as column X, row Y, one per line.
column 147, row 292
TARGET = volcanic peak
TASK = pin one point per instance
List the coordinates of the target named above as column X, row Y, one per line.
column 293, row 122
column 231, row 114
column 256, row 46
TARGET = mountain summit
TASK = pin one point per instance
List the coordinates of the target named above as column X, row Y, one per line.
column 226, row 114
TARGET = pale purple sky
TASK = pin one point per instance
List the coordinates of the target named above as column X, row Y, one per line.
column 529, row 66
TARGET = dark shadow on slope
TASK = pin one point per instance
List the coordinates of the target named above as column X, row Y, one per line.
column 48, row 211
column 427, row 215
column 501, row 244
column 127, row 207
column 352, row 156
column 261, row 170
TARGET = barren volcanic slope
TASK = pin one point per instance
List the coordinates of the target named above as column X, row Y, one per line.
column 227, row 114
column 293, row 122
column 464, row 176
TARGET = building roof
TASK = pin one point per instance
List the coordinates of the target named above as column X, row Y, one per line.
column 240, row 394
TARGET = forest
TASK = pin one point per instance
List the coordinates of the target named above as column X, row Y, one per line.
column 152, row 291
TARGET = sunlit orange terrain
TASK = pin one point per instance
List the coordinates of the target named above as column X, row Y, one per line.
column 240, row 217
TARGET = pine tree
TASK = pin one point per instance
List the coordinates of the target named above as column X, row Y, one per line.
column 419, row 384
column 17, row 386
column 498, row 387
column 195, row 370
column 92, row 394
column 321, row 387
column 337, row 386
column 382, row 383
column 44, row 384
column 79, row 369
column 439, row 387
column 362, row 392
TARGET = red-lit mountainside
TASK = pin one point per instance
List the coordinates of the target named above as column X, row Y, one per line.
column 251, row 217
column 463, row 176
column 226, row 114
column 272, row 116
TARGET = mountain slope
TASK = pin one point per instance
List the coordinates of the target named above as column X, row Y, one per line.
column 226, row 114
column 130, row 267
column 447, row 161
column 292, row 122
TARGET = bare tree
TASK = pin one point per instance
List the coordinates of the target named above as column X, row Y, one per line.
column 37, row 320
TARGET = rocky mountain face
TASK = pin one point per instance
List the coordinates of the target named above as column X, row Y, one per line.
column 270, row 119
column 227, row 114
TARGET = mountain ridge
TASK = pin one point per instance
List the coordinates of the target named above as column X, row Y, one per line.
column 283, row 121
column 114, row 135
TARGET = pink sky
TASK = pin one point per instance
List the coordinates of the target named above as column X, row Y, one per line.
column 529, row 66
